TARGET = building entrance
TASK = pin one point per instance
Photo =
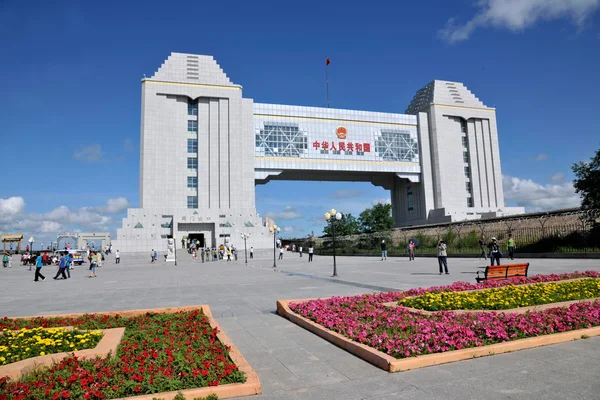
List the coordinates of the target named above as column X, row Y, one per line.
column 198, row 238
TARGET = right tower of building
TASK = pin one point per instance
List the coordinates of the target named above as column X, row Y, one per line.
column 466, row 176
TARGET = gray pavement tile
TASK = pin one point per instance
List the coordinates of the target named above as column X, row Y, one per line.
column 327, row 392
column 375, row 386
column 316, row 373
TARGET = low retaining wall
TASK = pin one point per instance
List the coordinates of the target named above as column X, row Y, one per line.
column 392, row 364
column 252, row 385
column 107, row 346
column 518, row 256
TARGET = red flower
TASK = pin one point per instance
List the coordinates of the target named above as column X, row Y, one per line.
column 137, row 389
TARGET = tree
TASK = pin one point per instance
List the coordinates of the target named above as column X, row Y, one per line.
column 376, row 219
column 587, row 181
column 348, row 225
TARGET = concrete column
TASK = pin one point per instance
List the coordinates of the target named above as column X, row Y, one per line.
column 215, row 154
column 204, row 178
column 426, row 186
column 474, row 165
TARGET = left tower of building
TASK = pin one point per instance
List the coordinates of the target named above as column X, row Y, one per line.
column 196, row 160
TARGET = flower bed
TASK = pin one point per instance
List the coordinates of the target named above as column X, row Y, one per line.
column 158, row 353
column 507, row 297
column 26, row 343
column 401, row 334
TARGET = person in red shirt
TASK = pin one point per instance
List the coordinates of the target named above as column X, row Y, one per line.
column 45, row 259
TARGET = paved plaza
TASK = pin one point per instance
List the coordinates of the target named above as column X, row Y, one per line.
column 293, row 363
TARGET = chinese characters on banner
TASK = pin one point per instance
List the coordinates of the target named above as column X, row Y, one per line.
column 342, row 146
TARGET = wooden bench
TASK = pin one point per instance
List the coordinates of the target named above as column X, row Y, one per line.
column 503, row 272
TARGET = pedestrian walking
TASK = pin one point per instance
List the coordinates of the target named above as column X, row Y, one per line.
column 228, row 251
column 482, row 247
column 511, row 246
column 194, row 255
column 251, row 252
column 38, row 269
column 5, row 260
column 117, row 257
column 61, row 267
column 411, row 251
column 68, row 267
column 495, row 253
column 383, row 247
column 442, row 256
column 310, row 253
column 300, row 251
column 93, row 264
column 281, row 253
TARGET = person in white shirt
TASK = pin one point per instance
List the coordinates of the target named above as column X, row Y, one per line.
column 117, row 257
column 251, row 252
column 300, row 250
column 310, row 253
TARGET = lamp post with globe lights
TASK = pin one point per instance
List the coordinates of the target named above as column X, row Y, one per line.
column 274, row 229
column 333, row 216
column 245, row 237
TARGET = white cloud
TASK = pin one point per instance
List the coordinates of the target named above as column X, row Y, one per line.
column 345, row 194
column 92, row 153
column 288, row 213
column 386, row 200
column 11, row 207
column 541, row 157
column 62, row 218
column 50, row 227
column 113, row 206
column 288, row 229
column 518, row 15
column 537, row 197
column 558, row 177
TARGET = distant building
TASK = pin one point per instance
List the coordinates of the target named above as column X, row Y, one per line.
column 204, row 147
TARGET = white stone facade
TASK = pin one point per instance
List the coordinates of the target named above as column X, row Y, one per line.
column 203, row 148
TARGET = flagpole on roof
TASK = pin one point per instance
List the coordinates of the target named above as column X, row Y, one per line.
column 327, row 62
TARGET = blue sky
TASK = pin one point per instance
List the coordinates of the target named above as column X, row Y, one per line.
column 70, row 91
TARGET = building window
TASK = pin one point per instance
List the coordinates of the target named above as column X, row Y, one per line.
column 469, row 202
column 192, row 108
column 397, row 145
column 409, row 192
column 192, row 163
column 278, row 139
column 410, row 207
column 192, row 126
column 467, row 172
column 463, row 126
column 465, row 143
column 192, row 146
column 192, row 202
column 466, row 157
column 193, row 182
column 468, row 187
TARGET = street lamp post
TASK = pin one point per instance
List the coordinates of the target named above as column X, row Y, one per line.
column 175, row 249
column 245, row 237
column 274, row 229
column 31, row 240
column 333, row 216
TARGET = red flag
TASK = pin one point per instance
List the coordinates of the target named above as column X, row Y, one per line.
column 327, row 62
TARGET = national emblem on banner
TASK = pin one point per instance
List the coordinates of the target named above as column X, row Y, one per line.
column 341, row 132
